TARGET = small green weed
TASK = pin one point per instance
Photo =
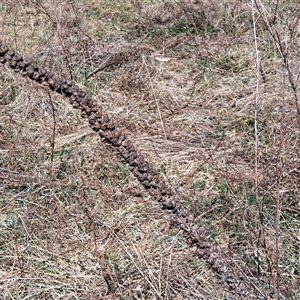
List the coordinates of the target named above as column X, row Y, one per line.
column 121, row 172
column 9, row 95
column 200, row 185
column 231, row 62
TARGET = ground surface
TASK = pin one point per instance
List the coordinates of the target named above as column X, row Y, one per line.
column 215, row 115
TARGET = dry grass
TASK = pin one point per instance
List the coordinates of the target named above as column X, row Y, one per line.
column 74, row 223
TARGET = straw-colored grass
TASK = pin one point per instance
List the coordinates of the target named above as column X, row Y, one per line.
column 74, row 223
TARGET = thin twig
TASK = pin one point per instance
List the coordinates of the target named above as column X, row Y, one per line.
column 52, row 142
column 277, row 221
column 283, row 51
column 260, row 215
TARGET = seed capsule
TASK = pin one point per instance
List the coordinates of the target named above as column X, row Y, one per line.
column 36, row 76
column 83, row 114
column 57, row 85
column 3, row 49
column 116, row 133
column 75, row 104
column 9, row 54
column 45, row 84
column 140, row 176
column 105, row 119
column 139, row 160
column 27, row 62
column 17, row 57
column 29, row 70
column 107, row 135
column 49, row 75
column 168, row 204
column 110, row 125
column 155, row 193
column 146, row 184
column 12, row 64
column 166, row 191
column 135, row 172
column 22, row 64
column 42, row 71
column 91, row 118
column 96, row 126
column 144, row 167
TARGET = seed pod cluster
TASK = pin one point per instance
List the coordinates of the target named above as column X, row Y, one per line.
column 100, row 122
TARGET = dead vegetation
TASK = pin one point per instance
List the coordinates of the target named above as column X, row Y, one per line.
column 74, row 222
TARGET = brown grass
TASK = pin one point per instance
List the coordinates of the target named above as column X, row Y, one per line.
column 74, row 223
